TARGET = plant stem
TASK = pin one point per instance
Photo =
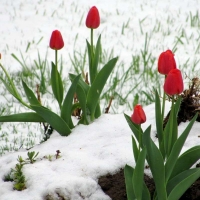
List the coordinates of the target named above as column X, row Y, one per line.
column 92, row 51
column 92, row 57
column 171, row 126
column 15, row 93
column 163, row 104
column 140, row 136
column 56, row 59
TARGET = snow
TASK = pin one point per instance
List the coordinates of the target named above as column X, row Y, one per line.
column 105, row 145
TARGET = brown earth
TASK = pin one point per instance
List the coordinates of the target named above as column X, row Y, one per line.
column 114, row 186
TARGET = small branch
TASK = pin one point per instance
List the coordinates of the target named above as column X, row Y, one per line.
column 86, row 78
column 38, row 93
column 58, row 154
column 107, row 109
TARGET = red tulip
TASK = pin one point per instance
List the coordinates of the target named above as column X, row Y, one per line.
column 173, row 82
column 93, row 19
column 138, row 116
column 56, row 40
column 166, row 62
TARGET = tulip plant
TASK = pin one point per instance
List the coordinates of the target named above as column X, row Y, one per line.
column 61, row 123
column 88, row 94
column 172, row 172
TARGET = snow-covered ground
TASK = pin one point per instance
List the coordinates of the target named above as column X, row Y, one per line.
column 89, row 152
column 105, row 145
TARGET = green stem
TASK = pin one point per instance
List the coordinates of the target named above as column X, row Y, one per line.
column 140, row 136
column 92, row 57
column 57, row 79
column 92, row 51
column 16, row 94
column 56, row 59
column 171, row 126
column 163, row 104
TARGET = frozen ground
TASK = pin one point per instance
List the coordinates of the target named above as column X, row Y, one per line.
column 104, row 146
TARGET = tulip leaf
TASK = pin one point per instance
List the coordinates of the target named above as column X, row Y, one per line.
column 135, row 149
column 22, row 117
column 97, row 111
column 159, row 123
column 180, row 183
column 83, row 84
column 171, row 161
column 30, row 95
column 90, row 55
column 96, row 57
column 66, row 110
column 128, row 174
column 81, row 91
column 75, row 106
column 53, row 119
column 133, row 127
column 139, row 174
column 156, row 164
column 8, row 87
column 56, row 83
column 186, row 160
column 175, row 124
column 97, row 86
column 166, row 138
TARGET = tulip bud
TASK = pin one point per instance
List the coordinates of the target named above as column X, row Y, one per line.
column 56, row 40
column 166, row 62
column 93, row 19
column 173, row 82
column 138, row 116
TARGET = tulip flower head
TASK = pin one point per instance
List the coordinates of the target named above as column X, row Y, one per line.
column 138, row 116
column 56, row 40
column 174, row 82
column 166, row 62
column 93, row 19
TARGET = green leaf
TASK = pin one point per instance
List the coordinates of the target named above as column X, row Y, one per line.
column 97, row 86
column 159, row 123
column 177, row 105
column 81, row 83
column 53, row 119
column 82, row 100
column 97, row 111
column 7, row 86
column 135, row 149
column 66, row 110
column 90, row 61
column 171, row 161
column 10, row 89
column 156, row 163
column 82, row 90
column 180, row 183
column 138, row 174
column 96, row 56
column 30, row 95
column 171, row 133
column 145, row 193
column 186, row 160
column 175, row 124
column 128, row 174
column 56, row 83
column 134, row 128
column 22, row 117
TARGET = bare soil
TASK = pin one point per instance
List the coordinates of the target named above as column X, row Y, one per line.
column 114, row 186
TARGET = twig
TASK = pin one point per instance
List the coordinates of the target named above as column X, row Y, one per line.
column 107, row 109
